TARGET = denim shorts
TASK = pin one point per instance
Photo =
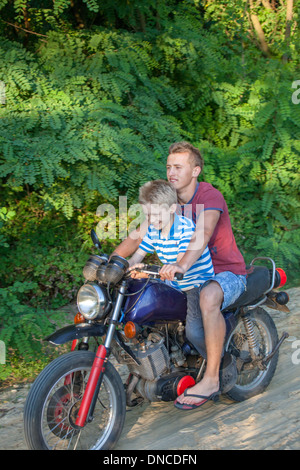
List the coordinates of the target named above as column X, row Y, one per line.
column 232, row 286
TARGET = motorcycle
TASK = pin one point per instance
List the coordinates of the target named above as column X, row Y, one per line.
column 79, row 400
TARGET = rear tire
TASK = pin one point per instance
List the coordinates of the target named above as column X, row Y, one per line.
column 251, row 379
column 54, row 399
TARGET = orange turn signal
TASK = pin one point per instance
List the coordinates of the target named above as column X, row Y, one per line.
column 79, row 318
column 130, row 330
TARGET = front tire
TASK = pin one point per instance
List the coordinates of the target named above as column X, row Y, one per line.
column 53, row 402
column 252, row 379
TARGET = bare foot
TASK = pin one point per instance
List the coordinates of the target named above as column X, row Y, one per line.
column 206, row 387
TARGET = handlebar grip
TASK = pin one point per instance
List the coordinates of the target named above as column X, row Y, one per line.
column 178, row 276
column 154, row 270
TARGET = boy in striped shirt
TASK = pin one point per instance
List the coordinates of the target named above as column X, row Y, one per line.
column 169, row 235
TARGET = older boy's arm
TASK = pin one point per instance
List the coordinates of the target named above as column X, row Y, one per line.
column 179, row 257
column 136, row 259
column 132, row 242
column 135, row 262
column 198, row 242
column 200, row 239
column 127, row 247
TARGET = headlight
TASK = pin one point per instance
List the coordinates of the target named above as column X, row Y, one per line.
column 91, row 301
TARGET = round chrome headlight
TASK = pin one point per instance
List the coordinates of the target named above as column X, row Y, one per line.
column 91, row 301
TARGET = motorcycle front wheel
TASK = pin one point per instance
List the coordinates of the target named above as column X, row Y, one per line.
column 54, row 399
column 253, row 378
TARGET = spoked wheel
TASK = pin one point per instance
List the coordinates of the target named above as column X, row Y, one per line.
column 54, row 400
column 253, row 377
column 59, row 411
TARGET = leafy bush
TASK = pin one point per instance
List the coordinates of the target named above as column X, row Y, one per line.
column 22, row 326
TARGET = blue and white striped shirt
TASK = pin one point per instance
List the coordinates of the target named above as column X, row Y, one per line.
column 177, row 241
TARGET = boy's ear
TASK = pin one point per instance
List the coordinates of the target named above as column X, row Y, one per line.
column 173, row 208
column 196, row 171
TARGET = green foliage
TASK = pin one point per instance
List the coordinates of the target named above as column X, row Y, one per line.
column 44, row 250
column 5, row 214
column 23, row 327
column 82, row 121
column 41, row 271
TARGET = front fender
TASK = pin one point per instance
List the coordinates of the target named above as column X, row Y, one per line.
column 71, row 332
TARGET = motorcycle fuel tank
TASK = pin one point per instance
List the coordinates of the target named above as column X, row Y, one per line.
column 156, row 302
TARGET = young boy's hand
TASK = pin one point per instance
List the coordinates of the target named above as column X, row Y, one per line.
column 136, row 274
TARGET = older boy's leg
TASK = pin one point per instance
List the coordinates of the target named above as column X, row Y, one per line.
column 194, row 328
column 211, row 297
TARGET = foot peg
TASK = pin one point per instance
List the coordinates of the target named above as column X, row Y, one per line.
column 269, row 357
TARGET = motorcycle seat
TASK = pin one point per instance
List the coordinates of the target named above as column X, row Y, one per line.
column 258, row 282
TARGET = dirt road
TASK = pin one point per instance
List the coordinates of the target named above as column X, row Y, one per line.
column 268, row 421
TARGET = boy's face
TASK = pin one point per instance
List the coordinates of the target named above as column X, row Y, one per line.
column 159, row 215
column 180, row 172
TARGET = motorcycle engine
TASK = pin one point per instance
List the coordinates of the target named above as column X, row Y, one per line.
column 158, row 373
column 155, row 378
column 153, row 357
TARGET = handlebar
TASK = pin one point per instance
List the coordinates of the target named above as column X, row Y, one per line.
column 153, row 270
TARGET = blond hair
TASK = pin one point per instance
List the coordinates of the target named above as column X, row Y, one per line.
column 158, row 192
column 195, row 156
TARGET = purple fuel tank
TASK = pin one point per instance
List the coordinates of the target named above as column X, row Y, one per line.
column 156, row 302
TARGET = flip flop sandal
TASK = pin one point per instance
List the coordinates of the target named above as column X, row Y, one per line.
column 185, row 406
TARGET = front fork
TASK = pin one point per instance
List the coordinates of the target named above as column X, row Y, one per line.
column 86, row 410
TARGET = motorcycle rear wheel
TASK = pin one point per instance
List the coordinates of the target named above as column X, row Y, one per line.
column 53, row 402
column 252, row 379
